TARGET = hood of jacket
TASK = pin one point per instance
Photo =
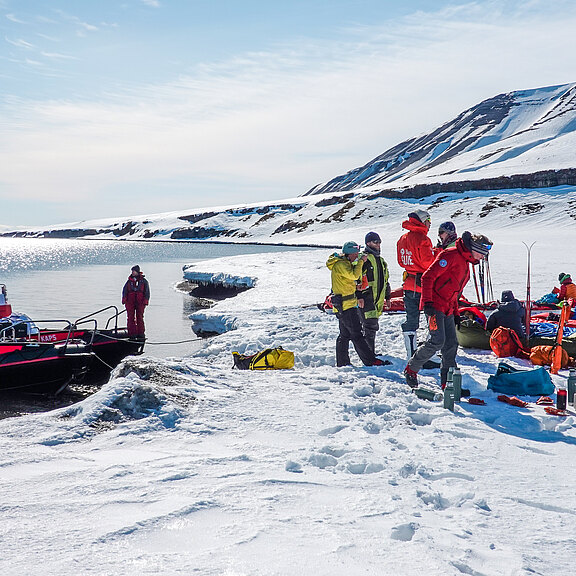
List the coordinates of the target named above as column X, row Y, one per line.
column 461, row 247
column 336, row 257
column 414, row 225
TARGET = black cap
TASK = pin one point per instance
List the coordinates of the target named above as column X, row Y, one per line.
column 507, row 296
column 372, row 237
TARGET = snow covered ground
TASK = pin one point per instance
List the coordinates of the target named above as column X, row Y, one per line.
column 185, row 466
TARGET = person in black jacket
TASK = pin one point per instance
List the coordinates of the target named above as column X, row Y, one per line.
column 376, row 295
column 510, row 314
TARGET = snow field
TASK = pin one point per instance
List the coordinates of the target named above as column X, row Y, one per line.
column 185, row 466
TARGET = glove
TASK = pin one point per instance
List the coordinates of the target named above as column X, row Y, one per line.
column 429, row 309
column 457, row 319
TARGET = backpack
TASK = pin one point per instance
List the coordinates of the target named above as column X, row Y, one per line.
column 505, row 342
column 543, row 356
column 269, row 359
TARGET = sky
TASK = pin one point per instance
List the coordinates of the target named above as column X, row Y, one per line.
column 120, row 108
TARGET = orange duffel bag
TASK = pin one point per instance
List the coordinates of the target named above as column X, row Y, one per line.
column 543, row 355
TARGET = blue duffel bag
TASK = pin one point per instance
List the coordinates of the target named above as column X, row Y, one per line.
column 514, row 382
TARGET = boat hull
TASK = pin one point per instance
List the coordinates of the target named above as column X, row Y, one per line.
column 109, row 347
column 42, row 368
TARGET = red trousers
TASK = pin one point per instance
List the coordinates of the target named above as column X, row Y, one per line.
column 135, row 312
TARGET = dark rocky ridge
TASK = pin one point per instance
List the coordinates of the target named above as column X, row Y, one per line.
column 475, row 128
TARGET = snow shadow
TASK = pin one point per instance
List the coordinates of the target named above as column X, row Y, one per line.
column 530, row 423
column 519, row 422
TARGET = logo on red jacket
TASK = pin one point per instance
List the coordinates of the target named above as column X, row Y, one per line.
column 443, row 263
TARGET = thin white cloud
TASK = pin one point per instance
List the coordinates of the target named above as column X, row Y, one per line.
column 81, row 25
column 19, row 43
column 152, row 3
column 57, row 56
column 273, row 124
column 14, row 19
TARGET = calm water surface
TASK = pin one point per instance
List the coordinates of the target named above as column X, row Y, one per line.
column 68, row 279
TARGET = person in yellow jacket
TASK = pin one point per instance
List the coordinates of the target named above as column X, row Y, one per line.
column 346, row 269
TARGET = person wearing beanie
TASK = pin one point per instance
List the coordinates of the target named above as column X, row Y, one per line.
column 446, row 236
column 346, row 271
column 442, row 285
column 373, row 298
column 135, row 297
column 509, row 314
column 567, row 287
column 415, row 253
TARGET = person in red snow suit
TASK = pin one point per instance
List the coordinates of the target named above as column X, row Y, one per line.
column 415, row 253
column 442, row 285
column 135, row 296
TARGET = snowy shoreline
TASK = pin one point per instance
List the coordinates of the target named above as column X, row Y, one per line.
column 184, row 465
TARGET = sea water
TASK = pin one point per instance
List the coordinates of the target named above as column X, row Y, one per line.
column 50, row 279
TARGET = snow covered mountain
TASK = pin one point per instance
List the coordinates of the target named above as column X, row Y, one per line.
column 512, row 154
column 523, row 138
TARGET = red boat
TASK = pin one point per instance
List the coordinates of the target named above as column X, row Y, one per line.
column 47, row 360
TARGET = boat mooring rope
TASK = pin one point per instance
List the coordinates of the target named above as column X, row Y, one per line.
column 147, row 341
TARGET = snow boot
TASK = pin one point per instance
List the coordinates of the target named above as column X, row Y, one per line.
column 411, row 377
column 410, row 343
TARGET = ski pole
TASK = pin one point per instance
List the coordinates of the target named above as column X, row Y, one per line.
column 528, row 302
column 489, row 281
column 475, row 282
column 481, row 278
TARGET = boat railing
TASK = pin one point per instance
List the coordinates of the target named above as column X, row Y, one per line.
column 11, row 332
column 113, row 318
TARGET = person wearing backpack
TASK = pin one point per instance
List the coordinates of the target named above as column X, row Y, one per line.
column 415, row 253
column 346, row 270
column 377, row 294
column 510, row 314
column 442, row 285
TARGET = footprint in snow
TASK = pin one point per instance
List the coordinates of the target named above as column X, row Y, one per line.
column 404, row 532
column 332, row 430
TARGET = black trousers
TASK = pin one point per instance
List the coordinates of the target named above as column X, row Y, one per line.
column 351, row 330
column 370, row 327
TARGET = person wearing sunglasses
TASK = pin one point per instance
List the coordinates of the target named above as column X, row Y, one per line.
column 446, row 236
column 373, row 298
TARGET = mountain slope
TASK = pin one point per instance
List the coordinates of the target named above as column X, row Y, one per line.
column 512, row 154
column 518, row 133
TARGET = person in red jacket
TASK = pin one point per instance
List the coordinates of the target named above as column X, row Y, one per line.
column 442, row 285
column 415, row 253
column 567, row 287
column 135, row 296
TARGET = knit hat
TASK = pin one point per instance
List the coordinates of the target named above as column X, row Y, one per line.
column 477, row 243
column 136, row 268
column 507, row 296
column 563, row 276
column 447, row 227
column 372, row 237
column 421, row 215
column 350, row 248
